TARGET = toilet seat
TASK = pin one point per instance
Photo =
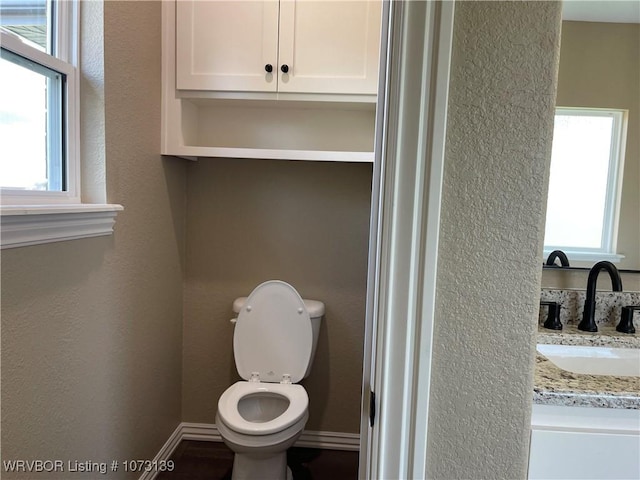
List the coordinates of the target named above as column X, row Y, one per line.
column 273, row 337
column 229, row 414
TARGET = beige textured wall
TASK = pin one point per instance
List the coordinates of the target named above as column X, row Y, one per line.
column 91, row 329
column 502, row 96
column 302, row 222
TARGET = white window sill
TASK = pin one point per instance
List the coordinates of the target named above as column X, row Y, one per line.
column 23, row 225
column 585, row 259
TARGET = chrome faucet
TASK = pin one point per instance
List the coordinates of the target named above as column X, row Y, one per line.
column 588, row 323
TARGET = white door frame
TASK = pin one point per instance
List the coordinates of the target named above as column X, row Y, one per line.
column 407, row 185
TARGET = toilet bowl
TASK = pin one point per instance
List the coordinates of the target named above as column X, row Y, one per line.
column 273, row 343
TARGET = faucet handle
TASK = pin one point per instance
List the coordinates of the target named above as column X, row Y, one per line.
column 553, row 317
column 626, row 319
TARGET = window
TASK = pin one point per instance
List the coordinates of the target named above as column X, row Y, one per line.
column 585, row 183
column 39, row 127
column 38, row 102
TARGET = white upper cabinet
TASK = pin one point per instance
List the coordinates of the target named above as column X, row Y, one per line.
column 297, row 46
column 225, row 94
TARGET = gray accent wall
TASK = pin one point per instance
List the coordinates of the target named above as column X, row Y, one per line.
column 306, row 223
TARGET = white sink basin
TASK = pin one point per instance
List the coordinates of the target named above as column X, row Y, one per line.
column 593, row 360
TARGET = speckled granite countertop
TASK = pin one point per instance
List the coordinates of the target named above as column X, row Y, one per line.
column 554, row 386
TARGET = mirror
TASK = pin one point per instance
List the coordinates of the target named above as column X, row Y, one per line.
column 600, row 68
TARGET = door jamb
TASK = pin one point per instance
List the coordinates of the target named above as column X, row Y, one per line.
column 407, row 187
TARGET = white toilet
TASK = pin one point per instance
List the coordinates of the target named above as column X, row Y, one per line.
column 274, row 342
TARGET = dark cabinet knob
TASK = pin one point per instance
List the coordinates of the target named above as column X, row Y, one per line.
column 268, row 68
column 284, row 68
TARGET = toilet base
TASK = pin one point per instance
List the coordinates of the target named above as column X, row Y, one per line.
column 268, row 466
column 261, row 457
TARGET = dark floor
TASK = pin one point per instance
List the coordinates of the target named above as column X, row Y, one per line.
column 213, row 460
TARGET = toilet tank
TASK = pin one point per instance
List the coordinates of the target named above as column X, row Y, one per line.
column 316, row 312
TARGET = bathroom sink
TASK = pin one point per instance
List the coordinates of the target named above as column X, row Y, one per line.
column 593, row 360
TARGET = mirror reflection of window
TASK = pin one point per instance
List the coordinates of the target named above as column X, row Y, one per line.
column 584, row 184
column 599, row 70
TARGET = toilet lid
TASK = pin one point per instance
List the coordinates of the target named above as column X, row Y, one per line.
column 273, row 336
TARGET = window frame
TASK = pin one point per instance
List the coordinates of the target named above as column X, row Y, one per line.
column 38, row 217
column 611, row 214
column 64, row 60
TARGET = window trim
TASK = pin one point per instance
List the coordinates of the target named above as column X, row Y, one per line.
column 611, row 214
column 30, row 217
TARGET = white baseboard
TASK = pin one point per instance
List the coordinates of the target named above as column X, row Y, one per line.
column 329, row 440
column 165, row 452
column 205, row 432
column 208, row 432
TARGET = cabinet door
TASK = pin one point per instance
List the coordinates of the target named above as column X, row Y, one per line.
column 329, row 46
column 225, row 45
column 580, row 455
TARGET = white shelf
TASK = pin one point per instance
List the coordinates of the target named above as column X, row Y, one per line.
column 257, row 129
column 271, row 130
column 192, row 153
column 285, row 100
